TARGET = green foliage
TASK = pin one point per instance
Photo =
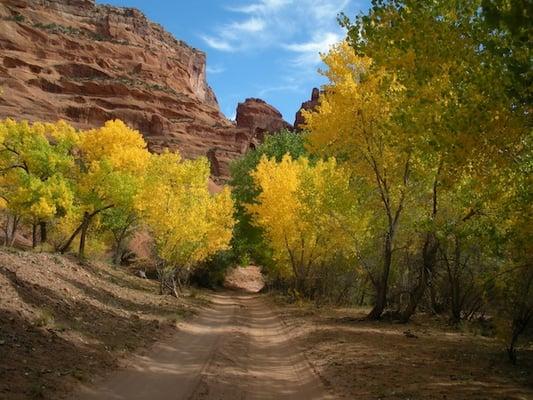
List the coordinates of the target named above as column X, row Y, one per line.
column 428, row 105
column 72, row 31
column 16, row 18
column 212, row 272
column 510, row 41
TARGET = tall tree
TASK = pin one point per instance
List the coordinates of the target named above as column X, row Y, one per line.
column 248, row 240
column 353, row 122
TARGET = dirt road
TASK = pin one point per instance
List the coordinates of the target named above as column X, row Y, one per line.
column 238, row 349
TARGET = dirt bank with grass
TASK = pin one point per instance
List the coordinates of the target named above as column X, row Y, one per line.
column 62, row 322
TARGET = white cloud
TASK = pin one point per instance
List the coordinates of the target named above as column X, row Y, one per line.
column 309, row 52
column 263, row 7
column 217, row 43
column 282, row 88
column 248, row 26
column 215, row 69
column 272, row 23
column 230, row 37
column 293, row 31
column 320, row 43
column 328, row 9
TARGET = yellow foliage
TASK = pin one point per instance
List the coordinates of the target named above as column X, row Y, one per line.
column 113, row 160
column 35, row 161
column 122, row 147
column 353, row 119
column 188, row 223
column 306, row 211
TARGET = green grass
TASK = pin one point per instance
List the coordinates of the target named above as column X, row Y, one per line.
column 45, row 318
column 17, row 18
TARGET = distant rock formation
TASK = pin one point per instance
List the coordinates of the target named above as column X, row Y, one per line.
column 308, row 105
column 260, row 118
column 88, row 63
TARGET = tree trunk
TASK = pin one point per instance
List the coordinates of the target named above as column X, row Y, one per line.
column 429, row 260
column 456, row 305
column 83, row 234
column 511, row 350
column 519, row 326
column 174, row 287
column 382, row 285
column 362, row 298
column 67, row 245
column 436, row 306
column 5, row 227
column 13, row 233
column 161, row 284
column 299, row 279
column 44, row 233
column 117, row 254
column 455, row 285
column 34, row 236
column 119, row 244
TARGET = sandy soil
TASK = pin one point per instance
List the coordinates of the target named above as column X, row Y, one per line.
column 425, row 359
column 62, row 322
column 238, row 349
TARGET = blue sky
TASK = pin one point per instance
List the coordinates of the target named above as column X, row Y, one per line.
column 256, row 48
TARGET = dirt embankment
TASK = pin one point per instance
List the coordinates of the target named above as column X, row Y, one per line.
column 62, row 323
column 425, row 359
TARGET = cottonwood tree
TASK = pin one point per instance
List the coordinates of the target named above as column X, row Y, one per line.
column 307, row 214
column 248, row 241
column 187, row 222
column 111, row 161
column 353, row 122
column 444, row 80
column 122, row 222
column 36, row 161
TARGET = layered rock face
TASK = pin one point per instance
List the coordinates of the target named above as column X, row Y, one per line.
column 308, row 106
column 88, row 63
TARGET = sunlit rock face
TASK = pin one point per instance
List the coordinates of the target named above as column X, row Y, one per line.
column 260, row 117
column 88, row 63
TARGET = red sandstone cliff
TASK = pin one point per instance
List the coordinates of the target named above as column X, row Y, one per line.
column 88, row 63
